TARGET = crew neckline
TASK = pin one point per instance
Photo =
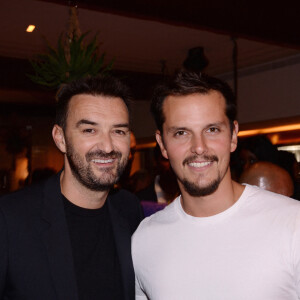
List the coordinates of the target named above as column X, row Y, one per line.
column 75, row 209
column 215, row 218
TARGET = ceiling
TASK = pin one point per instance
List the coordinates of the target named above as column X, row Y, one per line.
column 141, row 35
column 265, row 20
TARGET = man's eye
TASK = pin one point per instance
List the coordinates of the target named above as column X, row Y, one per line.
column 213, row 130
column 88, row 130
column 120, row 132
column 180, row 133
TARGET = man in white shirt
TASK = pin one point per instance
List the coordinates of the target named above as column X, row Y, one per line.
column 219, row 239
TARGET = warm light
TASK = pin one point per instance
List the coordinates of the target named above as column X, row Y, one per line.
column 145, row 145
column 294, row 149
column 269, row 130
column 21, row 168
column 30, row 28
column 274, row 138
column 290, row 148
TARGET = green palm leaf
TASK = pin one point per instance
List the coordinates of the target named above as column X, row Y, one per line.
column 64, row 64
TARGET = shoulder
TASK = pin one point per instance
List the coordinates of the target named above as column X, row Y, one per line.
column 269, row 199
column 21, row 197
column 154, row 233
column 28, row 198
column 157, row 221
column 271, row 207
column 20, row 207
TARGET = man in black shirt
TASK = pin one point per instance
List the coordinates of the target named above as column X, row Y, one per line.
column 69, row 238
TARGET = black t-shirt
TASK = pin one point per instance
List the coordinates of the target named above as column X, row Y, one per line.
column 94, row 252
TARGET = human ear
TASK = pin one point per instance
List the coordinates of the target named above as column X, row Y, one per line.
column 59, row 138
column 234, row 136
column 160, row 142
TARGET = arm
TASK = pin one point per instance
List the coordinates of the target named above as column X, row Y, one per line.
column 139, row 290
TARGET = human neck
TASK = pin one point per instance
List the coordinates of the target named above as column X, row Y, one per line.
column 223, row 198
column 78, row 194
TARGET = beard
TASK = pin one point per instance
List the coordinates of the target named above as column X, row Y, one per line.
column 83, row 172
column 198, row 190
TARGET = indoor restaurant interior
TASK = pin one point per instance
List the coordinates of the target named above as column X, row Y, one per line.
column 251, row 45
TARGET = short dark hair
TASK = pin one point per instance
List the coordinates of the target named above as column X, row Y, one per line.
column 186, row 83
column 100, row 85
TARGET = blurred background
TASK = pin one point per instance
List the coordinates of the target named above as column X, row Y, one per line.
column 253, row 45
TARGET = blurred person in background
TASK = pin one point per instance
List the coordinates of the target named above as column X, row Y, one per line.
column 269, row 176
column 164, row 188
column 288, row 161
column 251, row 150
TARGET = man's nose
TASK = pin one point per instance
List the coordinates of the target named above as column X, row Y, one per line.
column 106, row 143
column 198, row 145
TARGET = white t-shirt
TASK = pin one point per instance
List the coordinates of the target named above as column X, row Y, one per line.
column 250, row 251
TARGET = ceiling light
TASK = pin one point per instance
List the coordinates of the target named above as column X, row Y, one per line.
column 30, row 28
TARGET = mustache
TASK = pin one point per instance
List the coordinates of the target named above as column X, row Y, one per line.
column 202, row 157
column 102, row 154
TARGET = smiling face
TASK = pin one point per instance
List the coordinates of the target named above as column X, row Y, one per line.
column 197, row 140
column 96, row 140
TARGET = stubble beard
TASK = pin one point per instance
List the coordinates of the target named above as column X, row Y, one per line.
column 82, row 170
column 196, row 189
